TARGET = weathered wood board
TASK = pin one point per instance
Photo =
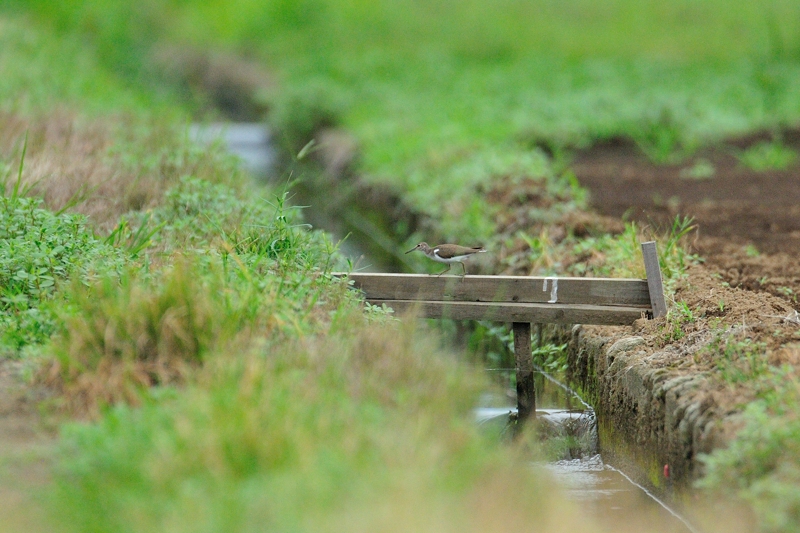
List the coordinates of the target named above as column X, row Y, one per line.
column 517, row 312
column 514, row 289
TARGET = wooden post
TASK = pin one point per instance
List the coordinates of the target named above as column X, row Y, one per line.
column 654, row 283
column 526, row 388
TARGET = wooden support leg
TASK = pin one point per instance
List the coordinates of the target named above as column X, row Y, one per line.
column 654, row 283
column 540, row 335
column 526, row 389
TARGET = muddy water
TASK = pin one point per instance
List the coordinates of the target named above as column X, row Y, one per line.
column 604, row 491
column 608, row 496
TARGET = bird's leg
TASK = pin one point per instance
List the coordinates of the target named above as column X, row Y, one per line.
column 463, row 266
column 445, row 270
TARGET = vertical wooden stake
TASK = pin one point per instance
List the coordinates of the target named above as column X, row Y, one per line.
column 526, row 389
column 654, row 283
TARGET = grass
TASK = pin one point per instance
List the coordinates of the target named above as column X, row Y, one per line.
column 304, row 436
column 602, row 254
column 225, row 334
column 433, row 92
column 124, row 335
column 40, row 251
column 105, row 167
column 230, row 383
column 45, row 80
column 760, row 465
column 216, row 271
column 265, row 397
column 768, row 156
column 701, row 170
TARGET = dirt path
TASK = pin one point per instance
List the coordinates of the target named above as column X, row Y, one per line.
column 748, row 222
column 26, row 447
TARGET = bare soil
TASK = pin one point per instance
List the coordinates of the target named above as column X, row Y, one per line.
column 745, row 290
column 748, row 222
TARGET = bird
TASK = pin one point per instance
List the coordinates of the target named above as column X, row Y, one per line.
column 448, row 253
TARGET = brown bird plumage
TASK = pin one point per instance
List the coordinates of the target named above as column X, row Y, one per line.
column 447, row 253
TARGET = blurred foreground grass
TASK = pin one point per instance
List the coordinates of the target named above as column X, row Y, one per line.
column 361, row 429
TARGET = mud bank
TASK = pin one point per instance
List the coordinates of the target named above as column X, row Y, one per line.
column 655, row 416
column 662, row 389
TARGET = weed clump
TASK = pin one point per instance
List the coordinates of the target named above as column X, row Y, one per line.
column 122, row 335
column 39, row 251
column 760, row 464
column 766, row 156
column 197, row 214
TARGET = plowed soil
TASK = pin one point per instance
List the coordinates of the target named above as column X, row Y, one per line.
column 744, row 292
column 748, row 222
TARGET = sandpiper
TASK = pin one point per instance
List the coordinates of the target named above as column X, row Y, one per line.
column 447, row 253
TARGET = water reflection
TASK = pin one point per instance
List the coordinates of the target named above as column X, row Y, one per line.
column 613, row 499
column 569, row 431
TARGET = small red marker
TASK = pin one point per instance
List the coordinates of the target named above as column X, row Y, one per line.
column 666, row 471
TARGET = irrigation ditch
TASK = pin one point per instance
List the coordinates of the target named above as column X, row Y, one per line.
column 598, row 462
column 654, row 386
column 656, row 403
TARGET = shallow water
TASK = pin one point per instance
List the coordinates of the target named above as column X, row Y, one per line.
column 251, row 142
column 607, row 495
column 615, row 501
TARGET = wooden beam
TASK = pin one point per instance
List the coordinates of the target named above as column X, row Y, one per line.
column 517, row 289
column 526, row 386
column 518, row 312
column 655, row 286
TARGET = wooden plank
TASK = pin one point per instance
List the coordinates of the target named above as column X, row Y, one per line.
column 520, row 289
column 655, row 286
column 518, row 312
column 526, row 386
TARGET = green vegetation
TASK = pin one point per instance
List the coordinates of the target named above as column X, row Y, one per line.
column 433, row 92
column 768, row 156
column 621, row 256
column 347, row 430
column 43, row 71
column 760, row 465
column 738, row 360
column 191, row 318
column 701, row 170
column 228, row 381
column 39, row 251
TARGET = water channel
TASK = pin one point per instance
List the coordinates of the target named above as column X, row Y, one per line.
column 605, row 492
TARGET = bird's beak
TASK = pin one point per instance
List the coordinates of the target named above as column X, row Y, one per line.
column 414, row 248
